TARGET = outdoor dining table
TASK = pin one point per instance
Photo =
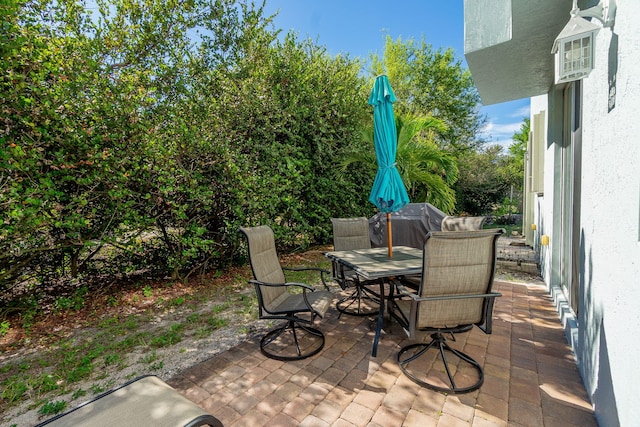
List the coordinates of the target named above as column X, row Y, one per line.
column 375, row 264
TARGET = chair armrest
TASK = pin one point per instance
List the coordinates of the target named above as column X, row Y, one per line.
column 322, row 272
column 412, row 282
column 488, row 316
column 404, row 292
column 306, row 268
column 416, row 297
column 490, row 298
column 304, row 286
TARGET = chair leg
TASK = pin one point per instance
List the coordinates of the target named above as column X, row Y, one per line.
column 438, row 341
column 358, row 297
column 286, row 342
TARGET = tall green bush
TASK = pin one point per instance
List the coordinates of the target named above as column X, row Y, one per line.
column 430, row 81
column 70, row 139
column 286, row 116
column 140, row 136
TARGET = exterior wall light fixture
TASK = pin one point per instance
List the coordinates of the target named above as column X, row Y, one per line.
column 574, row 47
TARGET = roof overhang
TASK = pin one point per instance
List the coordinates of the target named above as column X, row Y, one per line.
column 507, row 45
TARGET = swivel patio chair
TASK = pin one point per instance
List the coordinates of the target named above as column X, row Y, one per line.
column 454, row 294
column 350, row 234
column 451, row 223
column 462, row 223
column 296, row 303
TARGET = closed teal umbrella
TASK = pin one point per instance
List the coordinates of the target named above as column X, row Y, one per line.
column 388, row 192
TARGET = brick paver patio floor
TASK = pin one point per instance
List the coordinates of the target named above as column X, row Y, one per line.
column 530, row 377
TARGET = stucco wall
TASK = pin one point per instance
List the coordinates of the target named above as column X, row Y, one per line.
column 606, row 238
column 610, row 221
column 540, row 210
column 604, row 338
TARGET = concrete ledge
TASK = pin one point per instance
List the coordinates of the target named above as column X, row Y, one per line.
column 519, row 266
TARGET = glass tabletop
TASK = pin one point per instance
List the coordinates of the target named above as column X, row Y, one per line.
column 375, row 263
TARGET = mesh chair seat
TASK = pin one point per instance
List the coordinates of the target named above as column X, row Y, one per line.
column 320, row 302
column 143, row 401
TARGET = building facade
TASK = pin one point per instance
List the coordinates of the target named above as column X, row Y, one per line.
column 582, row 179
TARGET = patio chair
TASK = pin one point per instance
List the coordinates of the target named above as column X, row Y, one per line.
column 451, row 223
column 296, row 303
column 454, row 294
column 350, row 234
column 143, row 401
column 462, row 223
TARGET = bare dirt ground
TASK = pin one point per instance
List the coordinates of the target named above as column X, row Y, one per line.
column 150, row 306
column 20, row 348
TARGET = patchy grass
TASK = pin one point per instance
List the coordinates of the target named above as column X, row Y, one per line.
column 52, row 408
column 88, row 336
column 510, row 229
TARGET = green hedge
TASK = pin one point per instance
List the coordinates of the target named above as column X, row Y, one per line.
column 129, row 143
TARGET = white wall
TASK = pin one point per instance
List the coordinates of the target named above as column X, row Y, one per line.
column 608, row 343
column 610, row 218
column 541, row 211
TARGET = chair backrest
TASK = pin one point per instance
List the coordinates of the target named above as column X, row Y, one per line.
column 350, row 233
column 462, row 223
column 456, row 263
column 264, row 263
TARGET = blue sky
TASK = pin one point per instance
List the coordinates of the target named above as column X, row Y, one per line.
column 359, row 27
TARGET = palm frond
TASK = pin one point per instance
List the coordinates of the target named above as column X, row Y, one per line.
column 426, row 170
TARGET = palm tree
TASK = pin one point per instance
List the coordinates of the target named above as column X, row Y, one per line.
column 427, row 171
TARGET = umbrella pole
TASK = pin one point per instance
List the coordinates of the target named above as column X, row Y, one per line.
column 389, row 235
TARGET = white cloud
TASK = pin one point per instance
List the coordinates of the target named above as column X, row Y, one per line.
column 502, row 129
column 504, row 143
column 522, row 112
column 501, row 133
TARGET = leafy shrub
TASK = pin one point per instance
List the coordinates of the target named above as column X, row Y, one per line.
column 128, row 147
